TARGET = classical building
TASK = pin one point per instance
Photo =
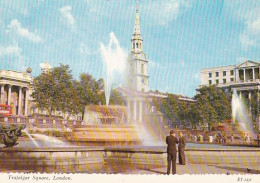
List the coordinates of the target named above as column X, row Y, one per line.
column 244, row 77
column 16, row 90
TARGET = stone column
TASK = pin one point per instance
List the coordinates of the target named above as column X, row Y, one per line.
column 9, row 94
column 20, row 101
column 259, row 73
column 135, row 110
column 26, row 102
column 249, row 95
column 244, row 74
column 253, row 73
column 237, row 75
column 140, row 111
column 2, row 93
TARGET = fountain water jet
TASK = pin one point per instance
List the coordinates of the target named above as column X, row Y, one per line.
column 240, row 114
column 31, row 138
column 48, row 139
column 114, row 61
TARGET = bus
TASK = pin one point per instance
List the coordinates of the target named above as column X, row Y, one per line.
column 5, row 110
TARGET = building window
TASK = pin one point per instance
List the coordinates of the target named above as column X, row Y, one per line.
column 210, row 75
column 231, row 72
column 136, row 45
column 224, row 81
column 231, row 79
column 217, row 74
column 140, row 45
column 142, row 68
column 217, row 81
column 224, row 73
column 133, row 45
column 210, row 82
column 142, row 81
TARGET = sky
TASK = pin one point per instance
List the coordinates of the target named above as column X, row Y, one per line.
column 181, row 37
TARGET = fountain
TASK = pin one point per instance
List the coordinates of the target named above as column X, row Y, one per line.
column 114, row 62
column 240, row 115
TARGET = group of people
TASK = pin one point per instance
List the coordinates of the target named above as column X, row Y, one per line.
column 171, row 142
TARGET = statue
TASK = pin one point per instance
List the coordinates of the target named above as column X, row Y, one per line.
column 9, row 135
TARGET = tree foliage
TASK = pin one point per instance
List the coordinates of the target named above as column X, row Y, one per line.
column 56, row 90
column 212, row 105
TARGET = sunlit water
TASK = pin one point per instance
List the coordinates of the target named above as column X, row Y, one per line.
column 114, row 64
column 32, row 139
column 48, row 139
column 240, row 115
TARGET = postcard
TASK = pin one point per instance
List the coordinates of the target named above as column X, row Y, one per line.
column 112, row 90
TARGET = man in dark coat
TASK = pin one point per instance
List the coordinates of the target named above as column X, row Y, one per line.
column 171, row 141
column 181, row 148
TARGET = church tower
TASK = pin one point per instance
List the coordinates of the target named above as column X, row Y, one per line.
column 138, row 70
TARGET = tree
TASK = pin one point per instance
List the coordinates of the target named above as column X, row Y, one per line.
column 56, row 90
column 116, row 98
column 88, row 90
column 214, row 105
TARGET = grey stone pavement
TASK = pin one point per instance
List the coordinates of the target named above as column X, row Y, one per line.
column 241, row 166
column 120, row 168
column 159, row 170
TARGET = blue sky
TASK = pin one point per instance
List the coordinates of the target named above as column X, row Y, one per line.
column 180, row 36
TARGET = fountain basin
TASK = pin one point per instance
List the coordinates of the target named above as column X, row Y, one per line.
column 104, row 135
column 156, row 155
column 103, row 159
column 50, row 159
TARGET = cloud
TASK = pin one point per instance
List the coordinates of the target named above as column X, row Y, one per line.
column 246, row 12
column 255, row 26
column 246, row 41
column 84, row 49
column 10, row 50
column 196, row 76
column 66, row 14
column 167, row 10
column 15, row 26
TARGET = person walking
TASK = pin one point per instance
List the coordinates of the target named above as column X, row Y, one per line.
column 181, row 148
column 171, row 142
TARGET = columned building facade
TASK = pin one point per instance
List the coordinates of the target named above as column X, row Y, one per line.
column 16, row 90
column 244, row 77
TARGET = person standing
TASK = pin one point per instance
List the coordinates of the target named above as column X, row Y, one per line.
column 181, row 148
column 247, row 139
column 171, row 142
column 232, row 139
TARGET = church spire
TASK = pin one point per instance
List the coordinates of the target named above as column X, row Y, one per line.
column 136, row 41
column 137, row 23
